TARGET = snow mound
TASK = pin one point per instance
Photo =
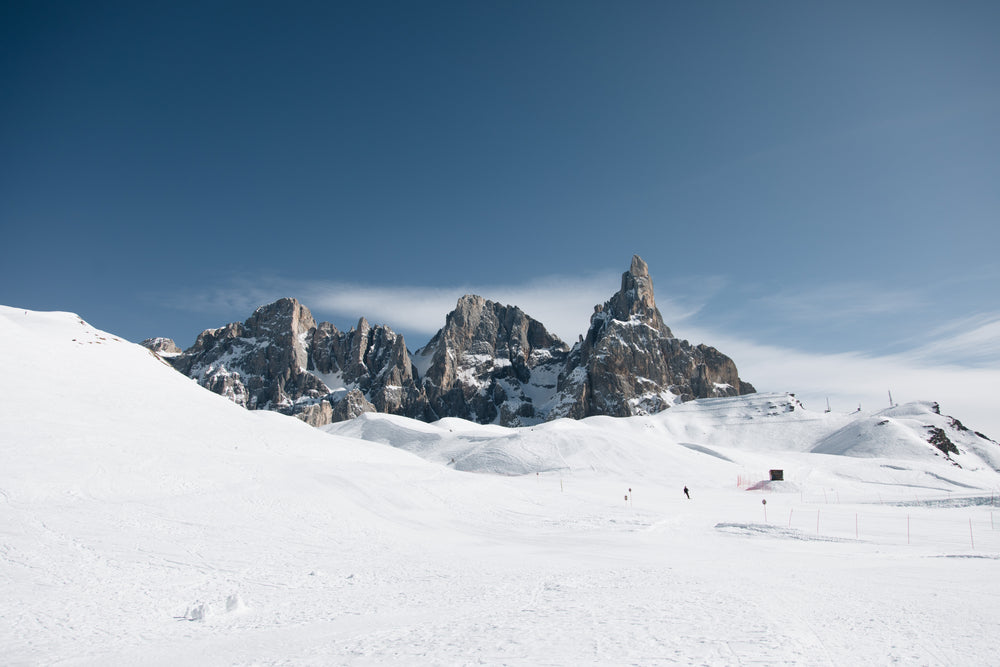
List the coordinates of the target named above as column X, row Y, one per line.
column 912, row 432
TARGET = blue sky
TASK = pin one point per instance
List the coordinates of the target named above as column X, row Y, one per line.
column 813, row 185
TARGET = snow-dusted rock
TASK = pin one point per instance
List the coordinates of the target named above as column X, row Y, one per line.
column 490, row 363
column 162, row 346
column 259, row 363
column 349, row 407
column 281, row 359
column 371, row 359
column 631, row 364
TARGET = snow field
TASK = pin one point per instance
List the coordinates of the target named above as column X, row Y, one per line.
column 144, row 520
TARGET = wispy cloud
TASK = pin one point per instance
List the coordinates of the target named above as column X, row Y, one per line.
column 849, row 379
column 971, row 341
column 837, row 302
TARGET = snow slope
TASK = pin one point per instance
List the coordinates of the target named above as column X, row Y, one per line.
column 722, row 438
column 145, row 520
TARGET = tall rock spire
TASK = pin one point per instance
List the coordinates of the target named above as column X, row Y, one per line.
column 630, row 363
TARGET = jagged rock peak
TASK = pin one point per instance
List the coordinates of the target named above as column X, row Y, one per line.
column 634, row 301
column 481, row 326
column 481, row 363
column 284, row 315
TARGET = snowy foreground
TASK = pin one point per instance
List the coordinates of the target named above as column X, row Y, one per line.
column 144, row 520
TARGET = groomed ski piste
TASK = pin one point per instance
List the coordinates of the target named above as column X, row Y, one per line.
column 145, row 520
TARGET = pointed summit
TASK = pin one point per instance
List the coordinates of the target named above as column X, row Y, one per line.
column 630, row 363
column 634, row 302
column 637, row 283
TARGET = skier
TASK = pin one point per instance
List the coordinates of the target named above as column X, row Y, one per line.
column 686, row 493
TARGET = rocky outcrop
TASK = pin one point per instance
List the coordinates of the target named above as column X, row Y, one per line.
column 490, row 363
column 349, row 407
column 162, row 346
column 630, row 363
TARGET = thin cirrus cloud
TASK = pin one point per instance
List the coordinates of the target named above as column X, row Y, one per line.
column 948, row 370
column 971, row 341
column 840, row 301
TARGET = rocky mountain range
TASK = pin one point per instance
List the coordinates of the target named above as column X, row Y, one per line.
column 490, row 363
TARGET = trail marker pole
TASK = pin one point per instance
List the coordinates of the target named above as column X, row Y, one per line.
column 907, row 528
column 817, row 522
column 790, row 517
column 856, row 532
column 973, row 541
column 764, row 503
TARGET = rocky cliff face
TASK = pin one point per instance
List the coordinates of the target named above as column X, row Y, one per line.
column 373, row 360
column 259, row 363
column 281, row 359
column 630, row 363
column 490, row 363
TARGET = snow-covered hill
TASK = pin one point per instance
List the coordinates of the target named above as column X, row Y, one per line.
column 146, row 520
column 725, row 435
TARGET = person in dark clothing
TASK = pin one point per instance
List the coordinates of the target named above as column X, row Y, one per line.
column 686, row 493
